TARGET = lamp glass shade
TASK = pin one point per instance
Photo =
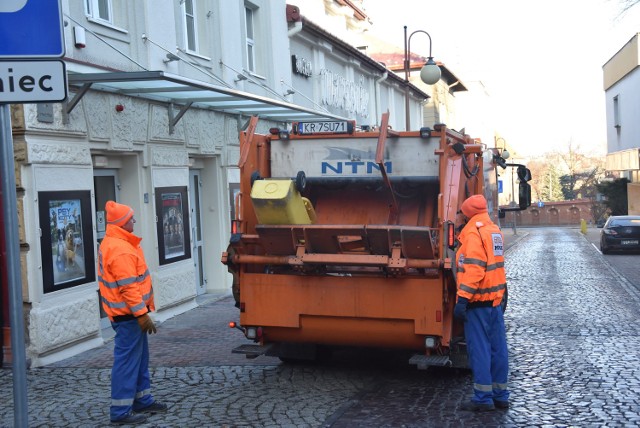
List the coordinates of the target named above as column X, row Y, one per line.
column 430, row 73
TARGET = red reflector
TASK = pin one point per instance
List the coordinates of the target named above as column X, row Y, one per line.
column 241, row 306
column 232, row 324
column 274, row 131
column 234, row 227
column 451, row 239
column 438, row 316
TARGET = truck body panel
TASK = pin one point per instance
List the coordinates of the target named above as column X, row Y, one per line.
column 371, row 265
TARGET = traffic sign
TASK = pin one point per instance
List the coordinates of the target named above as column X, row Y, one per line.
column 31, row 29
column 32, row 81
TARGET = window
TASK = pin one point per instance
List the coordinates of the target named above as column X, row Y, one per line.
column 99, row 9
column 616, row 111
column 251, row 56
column 190, row 26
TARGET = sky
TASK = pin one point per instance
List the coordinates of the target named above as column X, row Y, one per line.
column 540, row 61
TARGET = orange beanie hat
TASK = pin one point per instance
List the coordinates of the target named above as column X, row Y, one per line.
column 118, row 214
column 475, row 204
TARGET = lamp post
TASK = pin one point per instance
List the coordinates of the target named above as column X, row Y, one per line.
column 430, row 73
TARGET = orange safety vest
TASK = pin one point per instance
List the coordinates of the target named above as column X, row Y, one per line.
column 480, row 261
column 123, row 275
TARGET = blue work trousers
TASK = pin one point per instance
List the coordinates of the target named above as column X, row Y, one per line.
column 130, row 381
column 488, row 355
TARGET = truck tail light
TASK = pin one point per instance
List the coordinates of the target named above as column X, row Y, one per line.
column 430, row 342
column 450, row 233
column 251, row 332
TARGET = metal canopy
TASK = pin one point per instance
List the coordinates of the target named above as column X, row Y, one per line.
column 183, row 93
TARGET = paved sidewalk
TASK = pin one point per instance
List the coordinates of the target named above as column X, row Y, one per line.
column 199, row 337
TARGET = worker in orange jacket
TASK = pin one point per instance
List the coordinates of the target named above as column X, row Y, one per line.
column 481, row 285
column 127, row 298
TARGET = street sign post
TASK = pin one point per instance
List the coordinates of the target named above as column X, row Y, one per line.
column 31, row 36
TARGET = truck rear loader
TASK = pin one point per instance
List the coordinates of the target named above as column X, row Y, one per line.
column 346, row 237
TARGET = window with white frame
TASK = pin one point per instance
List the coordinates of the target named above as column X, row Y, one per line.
column 99, row 9
column 190, row 25
column 249, row 23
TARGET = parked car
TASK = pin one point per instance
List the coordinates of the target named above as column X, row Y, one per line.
column 620, row 233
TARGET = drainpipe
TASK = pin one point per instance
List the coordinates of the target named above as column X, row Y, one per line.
column 377, row 89
column 297, row 27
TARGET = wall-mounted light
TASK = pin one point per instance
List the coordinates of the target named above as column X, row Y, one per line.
column 289, row 92
column 171, row 57
column 240, row 77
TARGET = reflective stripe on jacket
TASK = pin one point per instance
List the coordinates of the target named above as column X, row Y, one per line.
column 123, row 275
column 480, row 261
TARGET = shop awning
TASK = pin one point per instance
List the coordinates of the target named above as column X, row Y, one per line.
column 182, row 93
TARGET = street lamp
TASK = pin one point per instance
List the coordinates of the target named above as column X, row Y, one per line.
column 430, row 73
column 504, row 153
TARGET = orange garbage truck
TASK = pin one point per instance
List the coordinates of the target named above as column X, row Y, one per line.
column 346, row 237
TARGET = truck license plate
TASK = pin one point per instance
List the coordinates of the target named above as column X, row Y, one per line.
column 630, row 242
column 323, row 127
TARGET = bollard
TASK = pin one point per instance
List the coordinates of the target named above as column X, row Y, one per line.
column 583, row 226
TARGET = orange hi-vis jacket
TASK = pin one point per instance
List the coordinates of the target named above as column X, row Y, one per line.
column 480, row 262
column 123, row 275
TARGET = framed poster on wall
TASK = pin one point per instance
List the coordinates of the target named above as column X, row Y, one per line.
column 174, row 240
column 67, row 239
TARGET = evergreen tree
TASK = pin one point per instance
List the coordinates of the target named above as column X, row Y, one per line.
column 550, row 187
column 615, row 193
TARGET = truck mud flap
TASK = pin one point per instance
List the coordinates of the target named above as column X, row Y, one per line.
column 423, row 362
column 252, row 351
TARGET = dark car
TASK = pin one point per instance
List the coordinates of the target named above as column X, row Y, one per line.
column 620, row 233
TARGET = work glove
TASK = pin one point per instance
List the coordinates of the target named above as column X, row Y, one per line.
column 146, row 324
column 460, row 310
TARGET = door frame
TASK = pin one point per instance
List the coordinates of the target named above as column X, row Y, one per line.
column 105, row 323
column 197, row 237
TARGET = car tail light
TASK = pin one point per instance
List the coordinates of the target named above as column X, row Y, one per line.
column 251, row 332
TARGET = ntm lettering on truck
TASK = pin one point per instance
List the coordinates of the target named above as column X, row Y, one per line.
column 347, row 238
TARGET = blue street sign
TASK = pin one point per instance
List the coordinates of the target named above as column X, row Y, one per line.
column 31, row 29
column 540, row 204
column 499, row 186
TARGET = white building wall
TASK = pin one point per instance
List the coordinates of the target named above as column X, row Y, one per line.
column 627, row 90
column 136, row 142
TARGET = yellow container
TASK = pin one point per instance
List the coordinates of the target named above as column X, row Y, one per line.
column 278, row 202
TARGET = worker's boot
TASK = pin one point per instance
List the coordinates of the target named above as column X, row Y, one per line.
column 130, row 418
column 501, row 404
column 472, row 406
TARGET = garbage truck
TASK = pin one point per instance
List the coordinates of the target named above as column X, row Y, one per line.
column 345, row 237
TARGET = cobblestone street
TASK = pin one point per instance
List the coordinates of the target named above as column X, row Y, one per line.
column 574, row 361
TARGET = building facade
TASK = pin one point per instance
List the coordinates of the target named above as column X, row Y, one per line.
column 158, row 94
column 621, row 77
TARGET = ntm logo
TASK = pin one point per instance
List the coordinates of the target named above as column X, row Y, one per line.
column 353, row 167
